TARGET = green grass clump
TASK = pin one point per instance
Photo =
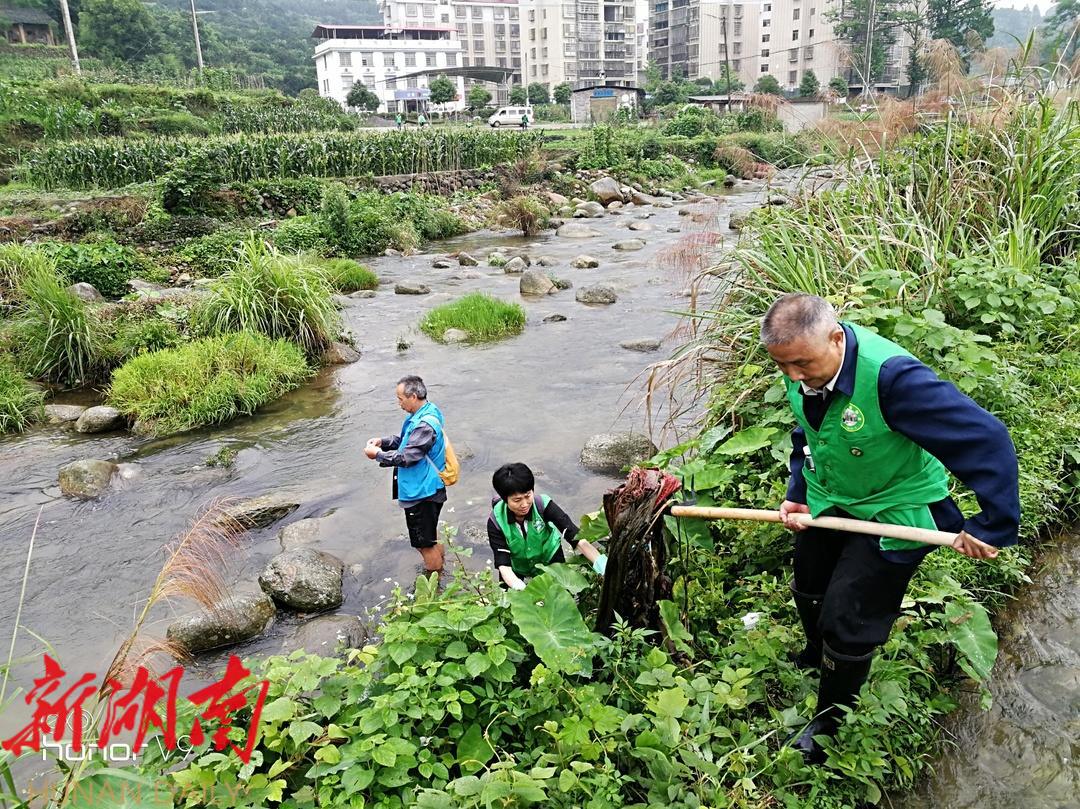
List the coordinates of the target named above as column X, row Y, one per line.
column 482, row 317
column 20, row 402
column 524, row 213
column 16, row 262
column 346, row 275
column 276, row 295
column 208, row 381
column 211, row 255
column 55, row 335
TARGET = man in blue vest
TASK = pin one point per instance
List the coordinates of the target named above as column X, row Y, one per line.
column 877, row 435
column 417, row 454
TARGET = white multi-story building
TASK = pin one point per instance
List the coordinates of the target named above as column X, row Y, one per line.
column 382, row 58
column 781, row 38
column 583, row 42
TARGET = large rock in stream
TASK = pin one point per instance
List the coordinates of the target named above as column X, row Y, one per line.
column 610, row 452
column 599, row 294
column 327, row 635
column 573, row 230
column 535, row 282
column 259, row 512
column 63, row 414
column 235, row 619
column 304, row 579
column 86, row 479
column 99, row 419
column 606, row 190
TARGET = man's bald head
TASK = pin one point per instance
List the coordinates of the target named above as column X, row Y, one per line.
column 798, row 316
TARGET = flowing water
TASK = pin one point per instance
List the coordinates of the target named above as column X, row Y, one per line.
column 1024, row 751
column 534, row 398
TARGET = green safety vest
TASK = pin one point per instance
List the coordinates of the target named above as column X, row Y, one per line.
column 537, row 546
column 859, row 464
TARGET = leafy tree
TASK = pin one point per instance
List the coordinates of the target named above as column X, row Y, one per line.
column 361, row 97
column 838, row 84
column 809, row 86
column 518, row 96
column 729, row 82
column 653, row 76
column 117, row 30
column 768, row 84
column 1061, row 32
column 672, row 92
column 562, row 93
column 538, row 93
column 442, row 90
column 703, row 82
column 889, row 16
column 958, row 20
column 477, row 97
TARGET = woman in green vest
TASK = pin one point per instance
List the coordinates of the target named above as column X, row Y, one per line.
column 526, row 529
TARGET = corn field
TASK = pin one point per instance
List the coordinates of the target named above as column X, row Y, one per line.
column 116, row 162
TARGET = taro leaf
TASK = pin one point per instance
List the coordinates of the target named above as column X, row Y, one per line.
column 473, row 750
column 673, row 626
column 568, row 576
column 593, row 527
column 749, row 440
column 969, row 629
column 548, row 618
column 713, row 436
column 125, row 790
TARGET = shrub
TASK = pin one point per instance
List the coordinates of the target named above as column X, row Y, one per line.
column 56, row 335
column 346, row 275
column 276, row 295
column 20, row 402
column 206, row 382
column 525, row 213
column 105, row 264
column 780, row 150
column 303, row 234
column 482, row 317
column 212, row 255
column 142, row 335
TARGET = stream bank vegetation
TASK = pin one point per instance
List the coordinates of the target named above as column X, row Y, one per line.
column 478, row 697
column 482, row 317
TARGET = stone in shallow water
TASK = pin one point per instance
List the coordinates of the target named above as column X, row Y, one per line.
column 641, row 344
column 515, row 265
column 304, row 579
column 535, row 282
column 237, row 618
column 99, row 420
column 610, row 452
column 326, row 635
column 600, row 294
column 60, row 414
column 452, row 336
column 340, row 354
column 259, row 512
column 411, row 288
column 585, row 262
column 628, row 244
column 573, row 230
column 555, row 318
column 86, row 479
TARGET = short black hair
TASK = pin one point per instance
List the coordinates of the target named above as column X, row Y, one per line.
column 512, row 478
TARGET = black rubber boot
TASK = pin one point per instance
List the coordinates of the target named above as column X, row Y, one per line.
column 809, row 608
column 841, row 678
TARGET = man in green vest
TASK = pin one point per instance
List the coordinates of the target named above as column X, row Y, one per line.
column 526, row 529
column 878, row 434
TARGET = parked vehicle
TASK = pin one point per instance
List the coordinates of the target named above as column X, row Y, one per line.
column 510, row 116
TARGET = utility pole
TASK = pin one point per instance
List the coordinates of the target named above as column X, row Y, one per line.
column 70, row 31
column 727, row 64
column 870, row 9
column 195, row 29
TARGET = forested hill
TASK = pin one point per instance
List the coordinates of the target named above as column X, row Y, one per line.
column 267, row 38
column 1013, row 22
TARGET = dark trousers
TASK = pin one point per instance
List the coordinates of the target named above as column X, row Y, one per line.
column 859, row 589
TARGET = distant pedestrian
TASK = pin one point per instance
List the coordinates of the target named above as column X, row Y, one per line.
column 421, row 121
column 399, row 120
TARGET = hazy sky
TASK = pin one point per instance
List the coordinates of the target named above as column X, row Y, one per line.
column 1044, row 5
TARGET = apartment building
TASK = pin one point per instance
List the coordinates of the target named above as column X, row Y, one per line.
column 583, row 42
column 781, row 38
column 381, row 58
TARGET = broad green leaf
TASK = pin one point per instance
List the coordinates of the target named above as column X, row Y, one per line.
column 384, row 754
column 969, row 629
column 568, row 576
column 473, row 750
column 749, row 440
column 669, row 703
column 280, row 708
column 302, row 731
column 548, row 618
column 356, row 779
column 477, row 663
column 593, row 527
column 673, row 626
column 713, row 436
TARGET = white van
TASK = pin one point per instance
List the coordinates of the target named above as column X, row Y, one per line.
column 510, row 116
